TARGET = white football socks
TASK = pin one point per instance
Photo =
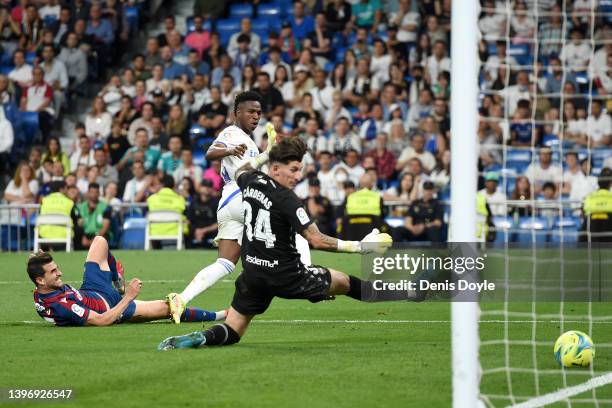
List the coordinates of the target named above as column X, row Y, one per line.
column 206, row 278
column 301, row 244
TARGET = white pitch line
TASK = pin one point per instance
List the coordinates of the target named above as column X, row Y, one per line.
column 373, row 321
column 568, row 392
column 144, row 281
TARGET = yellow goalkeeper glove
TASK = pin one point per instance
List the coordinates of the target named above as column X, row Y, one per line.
column 271, row 136
column 376, row 241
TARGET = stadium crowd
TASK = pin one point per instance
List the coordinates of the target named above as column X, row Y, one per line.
column 365, row 83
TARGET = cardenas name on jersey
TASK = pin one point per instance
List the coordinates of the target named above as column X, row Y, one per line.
column 230, row 137
column 257, row 195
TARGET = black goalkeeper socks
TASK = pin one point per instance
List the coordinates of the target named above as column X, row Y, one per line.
column 221, row 335
column 364, row 291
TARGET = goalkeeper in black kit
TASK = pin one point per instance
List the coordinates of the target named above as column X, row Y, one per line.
column 273, row 214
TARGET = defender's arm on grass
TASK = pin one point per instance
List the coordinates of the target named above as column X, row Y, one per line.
column 110, row 316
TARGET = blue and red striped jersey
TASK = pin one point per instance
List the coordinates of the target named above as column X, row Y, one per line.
column 68, row 306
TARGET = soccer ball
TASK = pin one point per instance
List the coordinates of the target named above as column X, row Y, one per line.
column 574, row 349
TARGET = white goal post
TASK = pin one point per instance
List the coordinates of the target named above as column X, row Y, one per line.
column 464, row 125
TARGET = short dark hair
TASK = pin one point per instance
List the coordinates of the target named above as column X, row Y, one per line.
column 56, row 186
column 246, row 97
column 288, row 150
column 605, row 178
column 168, row 181
column 93, row 186
column 549, row 184
column 36, row 263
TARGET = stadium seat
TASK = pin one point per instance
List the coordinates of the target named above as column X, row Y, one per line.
column 394, row 222
column 59, row 220
column 226, row 28
column 503, row 227
column 30, row 126
column 565, row 230
column 5, row 69
column 164, row 217
column 270, row 10
column 133, row 233
column 241, row 10
column 520, row 52
column 530, row 226
column 29, row 57
column 518, row 160
column 551, row 140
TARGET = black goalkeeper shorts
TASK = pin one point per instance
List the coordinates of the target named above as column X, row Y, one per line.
column 255, row 291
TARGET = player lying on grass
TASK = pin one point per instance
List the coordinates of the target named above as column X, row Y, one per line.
column 234, row 147
column 272, row 266
column 98, row 302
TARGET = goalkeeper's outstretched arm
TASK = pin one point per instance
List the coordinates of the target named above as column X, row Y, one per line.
column 375, row 241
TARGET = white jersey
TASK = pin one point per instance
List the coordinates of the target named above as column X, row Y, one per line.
column 233, row 136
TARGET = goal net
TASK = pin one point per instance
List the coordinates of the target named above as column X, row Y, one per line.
column 543, row 140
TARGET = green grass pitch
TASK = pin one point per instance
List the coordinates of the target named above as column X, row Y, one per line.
column 297, row 354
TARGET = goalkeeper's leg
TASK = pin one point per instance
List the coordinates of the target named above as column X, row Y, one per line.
column 365, row 291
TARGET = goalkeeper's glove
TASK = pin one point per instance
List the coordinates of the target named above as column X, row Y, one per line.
column 271, row 136
column 375, row 241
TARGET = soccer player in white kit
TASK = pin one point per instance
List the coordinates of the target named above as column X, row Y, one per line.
column 234, row 146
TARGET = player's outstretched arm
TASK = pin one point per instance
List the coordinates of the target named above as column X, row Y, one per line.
column 373, row 242
column 217, row 151
column 110, row 316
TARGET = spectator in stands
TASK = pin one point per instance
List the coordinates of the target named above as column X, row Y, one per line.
column 514, row 93
column 195, row 66
column 556, row 79
column 172, row 70
column 187, row 168
column 116, row 144
column 198, row 39
column 38, row 97
column 95, row 216
column 21, row 74
column 544, row 170
column 351, row 165
column 372, row 126
column 180, row 53
column 225, row 67
column 159, row 138
column 275, row 60
column 82, row 155
column 54, row 152
column 338, row 15
column 576, row 53
column 384, row 160
column 492, row 24
column 522, row 24
column 144, row 121
column 424, row 220
column 598, row 126
column 212, row 115
column 98, row 121
column 106, row 172
column 343, row 139
column 572, row 172
column 422, row 109
column 152, row 56
column 304, row 112
column 417, row 149
column 166, row 199
column 583, row 186
column 522, row 131
column 213, row 173
column 110, row 196
column 312, row 136
column 574, row 127
column 170, row 161
column 80, row 9
column 31, row 29
column 319, row 208
column 23, row 188
column 551, row 33
column 362, row 85
column 405, row 192
column 227, row 92
column 99, row 27
column 437, row 62
column 243, row 56
column 151, row 155
column 9, row 29
column 522, row 192
column 177, row 123
column 495, row 198
column 75, row 61
column 272, row 100
column 135, row 188
column 254, row 44
column 336, row 111
column 202, row 215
